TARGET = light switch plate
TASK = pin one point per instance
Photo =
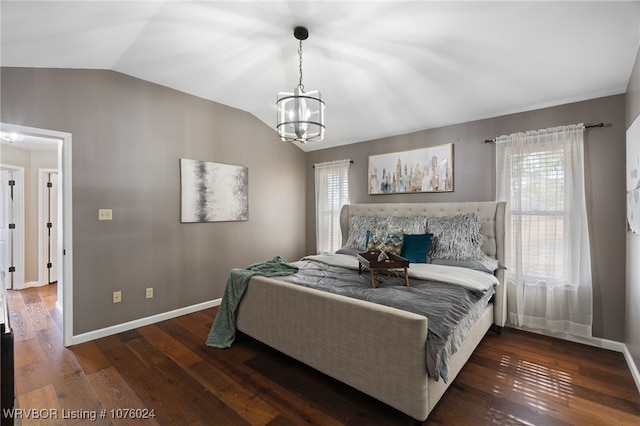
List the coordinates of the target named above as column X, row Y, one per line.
column 105, row 214
column 117, row 296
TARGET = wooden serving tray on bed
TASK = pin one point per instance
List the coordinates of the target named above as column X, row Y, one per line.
column 394, row 264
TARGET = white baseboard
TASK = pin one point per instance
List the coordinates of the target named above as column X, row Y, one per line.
column 632, row 366
column 599, row 343
column 115, row 329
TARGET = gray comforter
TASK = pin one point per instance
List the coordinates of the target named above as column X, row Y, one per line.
column 445, row 305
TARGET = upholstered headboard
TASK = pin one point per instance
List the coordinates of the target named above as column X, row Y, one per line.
column 491, row 213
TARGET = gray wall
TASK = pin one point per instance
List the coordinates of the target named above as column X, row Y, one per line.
column 128, row 137
column 474, row 180
column 633, row 241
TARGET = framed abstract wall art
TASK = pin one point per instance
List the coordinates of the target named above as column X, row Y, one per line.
column 419, row 170
column 213, row 192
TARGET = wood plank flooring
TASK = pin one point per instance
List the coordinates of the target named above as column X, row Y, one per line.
column 517, row 378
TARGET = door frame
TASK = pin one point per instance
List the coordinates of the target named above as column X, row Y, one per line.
column 65, row 218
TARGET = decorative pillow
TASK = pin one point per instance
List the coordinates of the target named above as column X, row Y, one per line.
column 409, row 224
column 358, row 227
column 487, row 264
column 456, row 237
column 415, row 247
column 390, row 242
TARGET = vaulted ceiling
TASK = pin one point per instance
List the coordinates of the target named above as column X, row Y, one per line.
column 383, row 67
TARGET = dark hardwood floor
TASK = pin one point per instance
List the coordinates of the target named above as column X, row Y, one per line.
column 517, row 378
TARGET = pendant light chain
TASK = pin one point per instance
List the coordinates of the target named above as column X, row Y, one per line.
column 300, row 55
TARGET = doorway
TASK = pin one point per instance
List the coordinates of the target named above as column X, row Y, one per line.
column 62, row 236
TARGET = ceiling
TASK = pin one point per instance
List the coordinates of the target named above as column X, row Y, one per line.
column 383, row 67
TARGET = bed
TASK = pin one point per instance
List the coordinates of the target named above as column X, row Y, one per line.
column 377, row 349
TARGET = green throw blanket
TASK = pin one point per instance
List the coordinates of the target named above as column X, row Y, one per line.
column 223, row 330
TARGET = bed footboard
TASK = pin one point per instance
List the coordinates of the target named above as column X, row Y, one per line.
column 376, row 349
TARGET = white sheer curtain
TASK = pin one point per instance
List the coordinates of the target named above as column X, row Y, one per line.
column 332, row 192
column 541, row 176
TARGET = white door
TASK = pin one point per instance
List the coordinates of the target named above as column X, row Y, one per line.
column 52, row 207
column 48, row 226
column 11, row 226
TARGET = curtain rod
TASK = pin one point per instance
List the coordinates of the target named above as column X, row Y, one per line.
column 588, row 126
column 350, row 161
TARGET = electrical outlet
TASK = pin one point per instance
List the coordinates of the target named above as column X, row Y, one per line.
column 149, row 293
column 105, row 214
column 117, row 296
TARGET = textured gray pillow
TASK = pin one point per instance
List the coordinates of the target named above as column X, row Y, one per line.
column 456, row 237
column 408, row 224
column 358, row 227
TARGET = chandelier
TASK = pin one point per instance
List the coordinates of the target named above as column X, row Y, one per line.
column 300, row 114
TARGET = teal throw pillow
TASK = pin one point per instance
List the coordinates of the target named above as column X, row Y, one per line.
column 415, row 247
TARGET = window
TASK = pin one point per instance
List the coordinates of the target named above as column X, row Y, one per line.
column 332, row 192
column 538, row 215
column 541, row 176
